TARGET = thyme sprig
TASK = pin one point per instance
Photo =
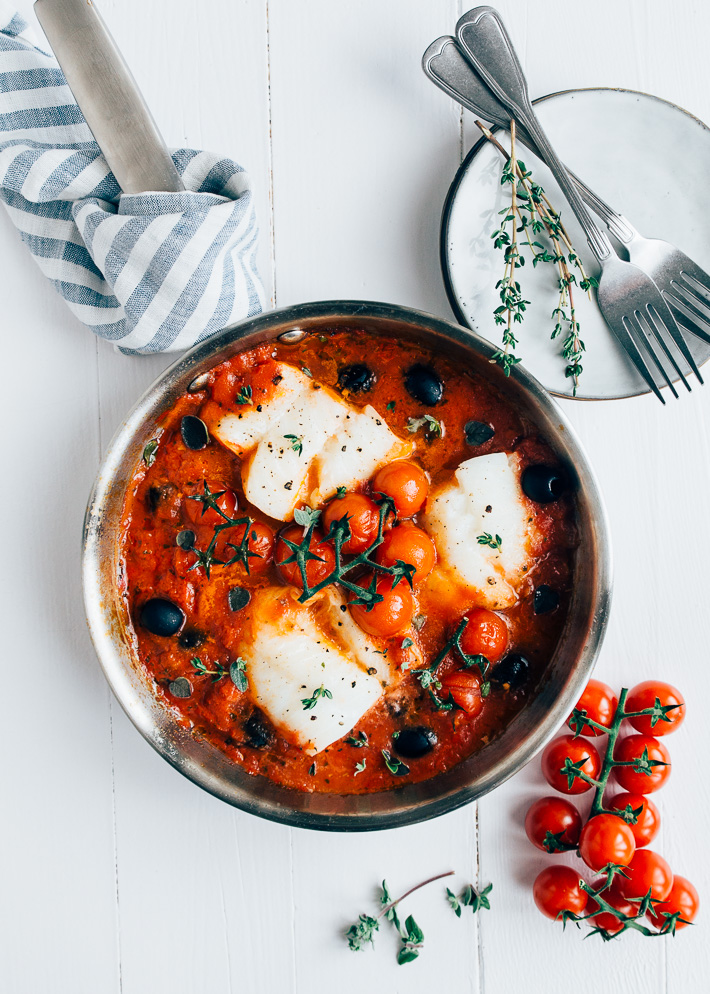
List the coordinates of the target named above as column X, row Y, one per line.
column 469, row 898
column 310, row 702
column 339, row 533
column 531, row 215
column 206, row 558
column 430, row 682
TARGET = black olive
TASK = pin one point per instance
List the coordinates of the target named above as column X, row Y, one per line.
column 161, row 617
column 424, row 384
column 238, row 598
column 413, row 743
column 257, row 731
column 191, row 639
column 161, row 495
column 357, row 378
column 543, row 484
column 194, row 432
column 545, row 600
column 513, row 669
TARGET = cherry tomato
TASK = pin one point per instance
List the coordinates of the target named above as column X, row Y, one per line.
column 557, row 889
column 407, row 485
column 200, row 514
column 683, row 898
column 599, row 701
column 613, row 896
column 633, row 748
column 648, row 820
column 644, row 696
column 390, row 615
column 316, row 569
column 606, row 839
column 363, row 517
column 408, row 544
column 260, row 542
column 486, row 634
column 553, row 824
column 465, row 689
column 553, row 761
column 646, row 869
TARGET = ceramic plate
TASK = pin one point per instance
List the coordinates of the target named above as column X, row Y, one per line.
column 647, row 158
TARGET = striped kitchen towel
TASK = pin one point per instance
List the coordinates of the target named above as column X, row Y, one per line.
column 154, row 272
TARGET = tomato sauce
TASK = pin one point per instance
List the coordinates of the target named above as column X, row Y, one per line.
column 157, row 509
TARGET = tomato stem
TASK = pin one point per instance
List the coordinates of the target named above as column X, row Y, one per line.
column 608, row 764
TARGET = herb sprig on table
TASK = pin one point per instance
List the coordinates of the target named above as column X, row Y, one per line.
column 529, row 217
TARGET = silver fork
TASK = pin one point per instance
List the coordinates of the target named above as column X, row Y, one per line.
column 447, row 66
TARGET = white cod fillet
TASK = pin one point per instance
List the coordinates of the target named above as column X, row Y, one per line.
column 458, row 513
column 337, row 445
column 294, row 650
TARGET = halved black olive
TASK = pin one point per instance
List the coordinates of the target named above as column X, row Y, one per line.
column 424, row 384
column 357, row 378
column 543, row 484
column 191, row 639
column 194, row 432
column 412, row 743
column 545, row 599
column 513, row 669
column 161, row 617
column 257, row 731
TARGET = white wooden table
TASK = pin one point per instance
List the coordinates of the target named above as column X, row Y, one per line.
column 117, row 873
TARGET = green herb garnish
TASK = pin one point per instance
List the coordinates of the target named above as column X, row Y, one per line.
column 310, row 702
column 434, row 428
column 493, row 543
column 149, row 452
column 296, row 443
column 244, row 396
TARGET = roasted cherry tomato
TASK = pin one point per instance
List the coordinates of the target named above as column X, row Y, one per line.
column 260, row 543
column 363, row 517
column 316, row 569
column 553, row 824
column 407, row 485
column 683, row 898
column 579, row 752
column 408, row 544
column 634, row 747
column 599, row 701
column 646, row 869
column 465, row 689
column 557, row 889
column 606, row 839
column 648, row 820
column 390, row 615
column 486, row 634
column 613, row 896
column 200, row 514
column 644, row 695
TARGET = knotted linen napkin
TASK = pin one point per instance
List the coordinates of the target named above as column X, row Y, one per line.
column 152, row 272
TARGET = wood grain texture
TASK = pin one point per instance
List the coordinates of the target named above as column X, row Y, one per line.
column 119, row 875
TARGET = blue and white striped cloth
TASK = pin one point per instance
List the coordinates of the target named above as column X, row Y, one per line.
column 152, row 272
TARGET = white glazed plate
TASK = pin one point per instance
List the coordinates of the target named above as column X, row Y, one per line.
column 647, row 158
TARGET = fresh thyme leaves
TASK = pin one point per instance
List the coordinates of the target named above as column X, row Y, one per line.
column 396, row 767
column 237, row 671
column 338, row 534
column 310, row 702
column 359, row 767
column 531, row 214
column 410, row 934
column 244, row 396
column 407, row 643
column 306, row 370
column 149, row 452
column 429, row 681
column 206, row 558
column 359, row 740
column 238, row 674
column 391, row 405
column 201, row 669
column 469, row 898
column 493, row 543
column 296, row 443
column 340, row 493
column 434, row 428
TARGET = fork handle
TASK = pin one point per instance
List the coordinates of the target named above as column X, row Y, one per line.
column 486, row 42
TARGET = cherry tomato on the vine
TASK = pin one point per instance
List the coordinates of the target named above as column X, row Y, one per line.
column 583, row 755
column 606, row 839
column 200, row 514
column 486, row 634
column 390, row 615
column 316, row 569
column 406, row 483
column 644, row 696
column 648, row 819
column 553, row 824
column 612, row 895
column 363, row 517
column 260, row 543
column 683, row 898
column 465, row 689
column 408, row 544
column 646, row 870
column 557, row 889
column 599, row 701
column 633, row 778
